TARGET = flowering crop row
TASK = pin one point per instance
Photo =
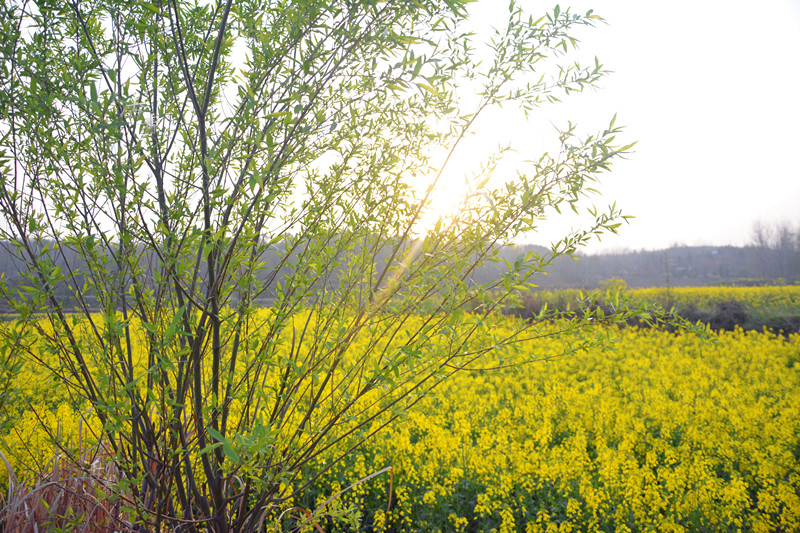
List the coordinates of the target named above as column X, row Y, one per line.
column 778, row 298
column 768, row 299
column 664, row 433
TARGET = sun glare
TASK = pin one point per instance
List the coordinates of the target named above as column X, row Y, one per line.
column 451, row 193
column 443, row 202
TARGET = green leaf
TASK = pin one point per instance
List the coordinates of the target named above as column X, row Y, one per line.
column 230, row 453
column 429, row 89
column 209, row 448
column 417, row 68
column 174, row 324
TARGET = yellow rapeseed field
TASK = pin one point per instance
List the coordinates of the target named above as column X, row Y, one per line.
column 664, row 432
column 667, row 432
column 771, row 297
column 785, row 298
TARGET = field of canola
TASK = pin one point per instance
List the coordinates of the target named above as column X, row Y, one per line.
column 771, row 298
column 768, row 299
column 664, row 432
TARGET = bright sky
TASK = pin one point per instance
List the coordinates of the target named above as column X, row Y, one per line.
column 710, row 92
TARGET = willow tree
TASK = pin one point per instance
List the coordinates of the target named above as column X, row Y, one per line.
column 165, row 166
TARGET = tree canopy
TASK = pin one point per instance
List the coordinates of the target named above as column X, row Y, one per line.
column 153, row 153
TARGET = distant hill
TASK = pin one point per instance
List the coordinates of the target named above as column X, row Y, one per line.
column 674, row 267
column 677, row 267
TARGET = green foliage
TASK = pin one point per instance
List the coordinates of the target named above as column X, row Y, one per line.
column 152, row 155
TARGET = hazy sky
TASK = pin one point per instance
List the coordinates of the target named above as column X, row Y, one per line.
column 711, row 92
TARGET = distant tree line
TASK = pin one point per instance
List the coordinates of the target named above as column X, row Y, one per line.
column 779, row 245
column 779, row 236
column 773, row 257
column 682, row 266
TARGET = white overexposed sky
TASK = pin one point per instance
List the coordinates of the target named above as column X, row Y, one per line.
column 710, row 90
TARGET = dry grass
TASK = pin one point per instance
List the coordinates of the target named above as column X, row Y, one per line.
column 77, row 495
